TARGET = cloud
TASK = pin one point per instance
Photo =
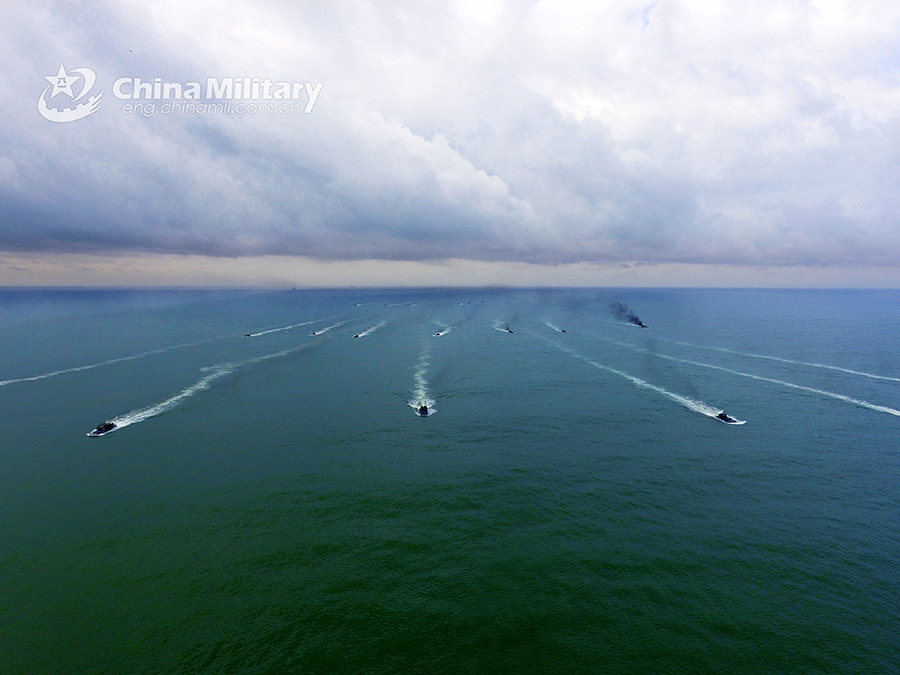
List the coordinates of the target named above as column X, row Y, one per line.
column 668, row 132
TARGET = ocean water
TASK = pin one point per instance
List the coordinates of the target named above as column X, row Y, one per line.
column 274, row 503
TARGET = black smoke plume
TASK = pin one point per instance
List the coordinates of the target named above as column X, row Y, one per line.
column 620, row 311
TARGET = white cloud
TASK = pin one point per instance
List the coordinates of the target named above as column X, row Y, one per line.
column 537, row 132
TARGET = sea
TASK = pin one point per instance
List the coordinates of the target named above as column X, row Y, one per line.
column 271, row 500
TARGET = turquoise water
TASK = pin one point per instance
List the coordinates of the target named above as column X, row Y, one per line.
column 275, row 504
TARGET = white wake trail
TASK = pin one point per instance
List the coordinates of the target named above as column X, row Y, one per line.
column 214, row 372
column 151, row 352
column 821, row 392
column 275, row 355
column 328, row 328
column 142, row 414
column 686, row 401
column 371, row 330
column 421, row 395
column 296, row 325
column 783, row 360
column 108, row 362
column 553, row 326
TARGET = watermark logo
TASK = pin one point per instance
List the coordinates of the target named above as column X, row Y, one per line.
column 156, row 96
column 62, row 83
column 226, row 95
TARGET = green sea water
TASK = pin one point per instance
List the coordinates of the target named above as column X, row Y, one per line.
column 275, row 504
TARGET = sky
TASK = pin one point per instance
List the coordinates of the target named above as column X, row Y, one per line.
column 619, row 143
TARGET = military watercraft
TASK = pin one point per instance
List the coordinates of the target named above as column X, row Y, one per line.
column 102, row 429
column 728, row 419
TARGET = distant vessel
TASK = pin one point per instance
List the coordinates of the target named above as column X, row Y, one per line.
column 722, row 417
column 314, row 333
column 104, row 428
column 423, row 410
column 357, row 335
column 247, row 335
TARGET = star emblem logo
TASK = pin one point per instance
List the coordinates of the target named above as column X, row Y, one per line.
column 62, row 82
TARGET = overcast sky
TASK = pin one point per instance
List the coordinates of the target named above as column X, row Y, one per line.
column 513, row 136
